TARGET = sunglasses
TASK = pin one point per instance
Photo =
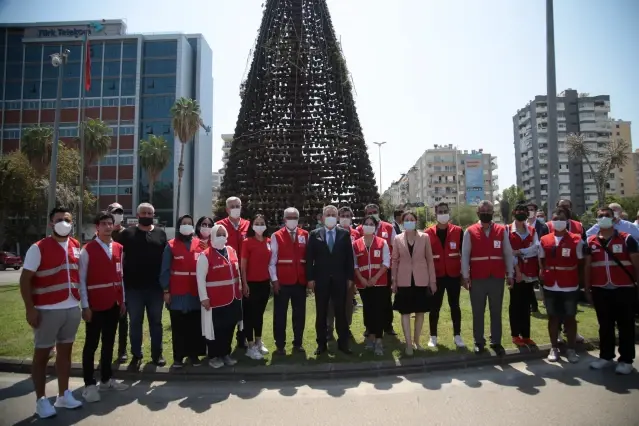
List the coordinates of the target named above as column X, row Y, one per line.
column 206, row 225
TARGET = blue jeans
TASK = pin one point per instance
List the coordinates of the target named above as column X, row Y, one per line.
column 137, row 301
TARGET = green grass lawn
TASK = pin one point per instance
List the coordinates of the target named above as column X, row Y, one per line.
column 16, row 336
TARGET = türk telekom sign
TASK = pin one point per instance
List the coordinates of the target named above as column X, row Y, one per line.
column 77, row 31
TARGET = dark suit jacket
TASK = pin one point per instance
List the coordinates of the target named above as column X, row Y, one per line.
column 398, row 230
column 322, row 265
column 541, row 229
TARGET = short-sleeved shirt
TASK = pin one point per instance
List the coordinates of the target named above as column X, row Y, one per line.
column 257, row 255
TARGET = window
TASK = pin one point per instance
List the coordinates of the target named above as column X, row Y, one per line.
column 159, row 66
column 70, row 88
column 157, row 107
column 32, row 71
column 623, row 192
column 107, row 182
column 125, row 190
column 70, row 103
column 31, row 105
column 69, row 133
column 130, row 50
column 33, row 53
column 158, row 85
column 11, row 134
column 125, row 152
column 96, row 51
column 621, row 170
column 92, row 103
column 73, row 70
column 49, row 71
column 126, row 130
column 617, row 126
column 157, row 49
column 96, row 89
column 13, row 90
column 107, row 190
column 127, row 101
column 129, row 67
column 617, row 132
column 112, row 69
column 126, row 161
column 110, row 87
column 48, row 104
column 109, row 102
column 109, row 160
column 127, row 86
column 31, row 90
column 112, row 51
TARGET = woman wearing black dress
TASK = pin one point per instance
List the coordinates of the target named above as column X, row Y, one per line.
column 414, row 280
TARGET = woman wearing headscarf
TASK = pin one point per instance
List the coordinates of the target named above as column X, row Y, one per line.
column 177, row 278
column 219, row 288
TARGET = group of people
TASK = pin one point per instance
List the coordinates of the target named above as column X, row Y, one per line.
column 216, row 278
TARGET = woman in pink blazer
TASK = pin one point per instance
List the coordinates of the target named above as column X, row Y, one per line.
column 414, row 280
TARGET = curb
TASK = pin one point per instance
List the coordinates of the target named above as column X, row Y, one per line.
column 322, row 371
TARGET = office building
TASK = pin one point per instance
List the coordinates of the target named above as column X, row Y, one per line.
column 135, row 79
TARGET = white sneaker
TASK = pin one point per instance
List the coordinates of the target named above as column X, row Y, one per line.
column 113, row 385
column 553, row 356
column 67, row 401
column 227, row 360
column 216, row 362
column 254, row 353
column 432, row 342
column 572, row 356
column 91, row 394
column 623, row 368
column 600, row 364
column 44, row 409
column 261, row 348
column 459, row 342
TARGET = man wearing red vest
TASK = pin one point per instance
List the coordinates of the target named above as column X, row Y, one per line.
column 446, row 243
column 559, row 257
column 611, row 268
column 117, row 211
column 102, row 300
column 49, row 288
column 487, row 260
column 287, row 269
column 386, row 231
column 525, row 243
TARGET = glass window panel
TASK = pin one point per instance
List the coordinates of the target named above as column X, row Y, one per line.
column 33, row 53
column 14, row 71
column 15, row 50
column 13, row 91
column 49, row 71
column 31, row 90
column 95, row 90
column 112, row 69
column 71, row 88
column 128, row 86
column 107, row 190
column 160, row 66
column 49, row 50
column 96, row 69
column 110, row 87
column 112, row 51
column 130, row 50
column 128, row 67
column 32, row 71
column 95, row 51
column 72, row 70
column 48, row 104
column 125, row 190
column 157, row 107
column 157, row 85
column 126, row 161
column 160, row 48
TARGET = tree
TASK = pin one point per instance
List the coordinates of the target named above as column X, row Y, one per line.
column 614, row 156
column 186, row 122
column 510, row 197
column 97, row 140
column 155, row 155
column 36, row 146
column 298, row 140
column 463, row 215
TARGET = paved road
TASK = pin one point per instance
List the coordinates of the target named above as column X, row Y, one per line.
column 537, row 394
column 9, row 277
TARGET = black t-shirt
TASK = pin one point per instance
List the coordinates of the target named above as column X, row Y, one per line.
column 142, row 256
column 441, row 234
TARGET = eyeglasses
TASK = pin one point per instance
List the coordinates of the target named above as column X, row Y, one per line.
column 206, row 225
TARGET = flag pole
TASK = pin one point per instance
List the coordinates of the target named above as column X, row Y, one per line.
column 82, row 147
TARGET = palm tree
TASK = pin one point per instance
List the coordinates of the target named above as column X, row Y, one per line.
column 97, row 140
column 36, row 146
column 186, row 121
column 614, row 156
column 155, row 155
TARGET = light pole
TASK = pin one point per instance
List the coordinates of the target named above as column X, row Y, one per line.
column 58, row 60
column 551, row 83
column 379, row 146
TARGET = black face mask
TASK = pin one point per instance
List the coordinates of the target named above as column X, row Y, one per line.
column 145, row 221
column 521, row 216
column 485, row 217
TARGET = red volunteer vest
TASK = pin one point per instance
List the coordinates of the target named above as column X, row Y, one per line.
column 603, row 269
column 528, row 266
column 291, row 257
column 51, row 282
column 561, row 261
column 104, row 276
column 354, row 234
column 222, row 278
column 369, row 261
column 575, row 227
column 486, row 253
column 236, row 236
column 384, row 230
column 447, row 259
column 183, row 280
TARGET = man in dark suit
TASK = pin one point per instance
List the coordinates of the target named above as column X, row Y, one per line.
column 397, row 219
column 329, row 271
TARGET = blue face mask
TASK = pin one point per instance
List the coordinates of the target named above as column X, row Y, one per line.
column 605, row 222
column 541, row 220
column 409, row 225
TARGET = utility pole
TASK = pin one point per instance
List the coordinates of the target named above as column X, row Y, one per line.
column 379, row 146
column 551, row 82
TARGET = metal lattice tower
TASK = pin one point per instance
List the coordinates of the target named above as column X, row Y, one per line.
column 298, row 141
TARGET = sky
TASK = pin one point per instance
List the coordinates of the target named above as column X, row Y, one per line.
column 425, row 72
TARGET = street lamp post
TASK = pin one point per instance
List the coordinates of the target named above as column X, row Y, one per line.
column 379, row 146
column 58, row 60
column 551, row 83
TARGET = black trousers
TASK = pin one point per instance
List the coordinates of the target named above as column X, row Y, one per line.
column 186, row 333
column 296, row 294
column 388, row 326
column 123, row 333
column 221, row 346
column 101, row 328
column 325, row 292
column 534, row 305
column 375, row 303
column 615, row 307
column 254, row 307
column 452, row 287
column 519, row 309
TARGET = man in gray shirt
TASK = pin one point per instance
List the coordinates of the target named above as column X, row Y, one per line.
column 487, row 259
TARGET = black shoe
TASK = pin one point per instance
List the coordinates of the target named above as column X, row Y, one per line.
column 320, row 350
column 479, row 349
column 159, row 362
column 499, row 349
column 346, row 350
column 280, row 351
column 122, row 358
column 177, row 364
column 299, row 349
column 391, row 331
column 241, row 345
column 330, row 337
column 195, row 361
column 136, row 363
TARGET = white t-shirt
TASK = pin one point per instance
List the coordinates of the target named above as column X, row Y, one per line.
column 32, row 262
column 580, row 255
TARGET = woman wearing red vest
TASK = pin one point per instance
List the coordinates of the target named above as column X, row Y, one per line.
column 219, row 288
column 372, row 260
column 256, row 285
column 203, row 229
column 102, row 296
column 177, row 278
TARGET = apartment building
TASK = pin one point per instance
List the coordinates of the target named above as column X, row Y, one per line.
column 625, row 178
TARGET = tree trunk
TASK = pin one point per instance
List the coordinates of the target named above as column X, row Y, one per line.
column 179, row 188
column 151, row 189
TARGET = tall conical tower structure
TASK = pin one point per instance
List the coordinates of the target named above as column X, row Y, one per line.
column 298, row 141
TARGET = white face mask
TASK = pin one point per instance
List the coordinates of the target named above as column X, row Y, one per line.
column 117, row 219
column 186, row 230
column 559, row 225
column 344, row 222
column 205, row 232
column 368, row 229
column 443, row 218
column 291, row 224
column 605, row 222
column 235, row 213
column 62, row 228
column 330, row 222
column 219, row 242
column 617, row 214
column 532, row 214
column 259, row 229
column 409, row 225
